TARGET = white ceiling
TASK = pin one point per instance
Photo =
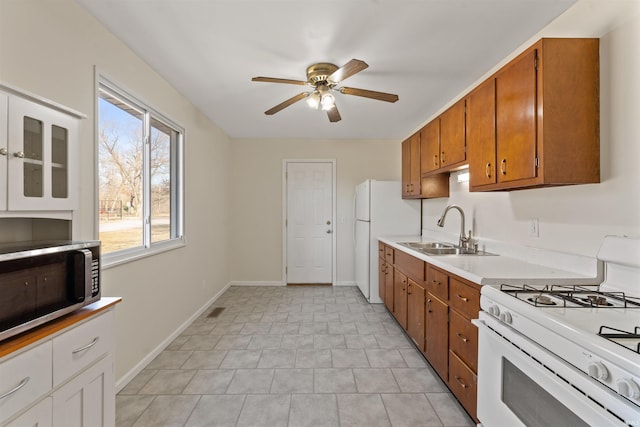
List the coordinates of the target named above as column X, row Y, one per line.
column 426, row 51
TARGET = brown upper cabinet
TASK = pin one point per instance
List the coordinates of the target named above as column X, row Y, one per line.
column 430, row 147
column 411, row 167
column 535, row 122
column 443, row 142
column 414, row 185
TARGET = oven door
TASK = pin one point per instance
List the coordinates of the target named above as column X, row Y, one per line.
column 522, row 384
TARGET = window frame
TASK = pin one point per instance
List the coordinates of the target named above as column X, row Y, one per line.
column 147, row 247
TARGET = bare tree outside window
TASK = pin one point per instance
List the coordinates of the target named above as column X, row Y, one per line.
column 137, row 181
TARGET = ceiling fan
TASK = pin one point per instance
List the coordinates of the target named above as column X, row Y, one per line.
column 324, row 77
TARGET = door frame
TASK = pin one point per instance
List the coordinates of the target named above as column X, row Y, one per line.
column 285, row 199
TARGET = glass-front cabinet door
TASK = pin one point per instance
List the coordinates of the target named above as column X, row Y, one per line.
column 4, row 150
column 39, row 154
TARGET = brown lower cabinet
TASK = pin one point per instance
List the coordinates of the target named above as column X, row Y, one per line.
column 435, row 309
column 437, row 335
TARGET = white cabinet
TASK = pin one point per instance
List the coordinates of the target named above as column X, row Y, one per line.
column 24, row 378
column 38, row 416
column 88, row 400
column 38, row 153
column 64, row 380
column 41, row 157
column 4, row 103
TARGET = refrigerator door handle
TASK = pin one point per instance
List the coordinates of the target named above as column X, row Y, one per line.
column 355, row 196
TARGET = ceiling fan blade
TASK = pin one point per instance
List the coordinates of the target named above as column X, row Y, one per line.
column 347, row 70
column 380, row 96
column 334, row 114
column 276, row 80
column 286, row 103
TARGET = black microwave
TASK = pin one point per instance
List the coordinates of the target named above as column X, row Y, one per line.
column 41, row 281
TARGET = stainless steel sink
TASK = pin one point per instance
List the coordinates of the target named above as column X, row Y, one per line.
column 428, row 245
column 440, row 248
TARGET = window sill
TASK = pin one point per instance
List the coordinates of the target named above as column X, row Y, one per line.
column 129, row 255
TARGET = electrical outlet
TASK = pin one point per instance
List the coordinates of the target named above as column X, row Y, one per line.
column 534, row 231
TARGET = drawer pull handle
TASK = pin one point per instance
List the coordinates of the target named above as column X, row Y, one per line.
column 462, row 384
column 462, row 337
column 86, row 347
column 465, row 299
column 436, row 282
column 16, row 388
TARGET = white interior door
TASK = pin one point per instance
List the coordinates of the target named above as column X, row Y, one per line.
column 309, row 222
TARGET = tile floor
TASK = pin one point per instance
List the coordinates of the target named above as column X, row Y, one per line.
column 290, row 356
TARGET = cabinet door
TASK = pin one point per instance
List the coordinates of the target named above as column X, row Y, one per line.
column 382, row 279
column 481, row 134
column 400, row 298
column 388, row 299
column 437, row 334
column 88, row 400
column 406, row 168
column 3, row 151
column 516, row 119
column 415, row 313
column 41, row 157
column 415, row 165
column 430, row 146
column 452, row 135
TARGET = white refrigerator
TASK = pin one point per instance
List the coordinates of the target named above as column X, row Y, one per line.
column 379, row 210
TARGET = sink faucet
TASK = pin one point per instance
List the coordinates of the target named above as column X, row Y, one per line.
column 465, row 241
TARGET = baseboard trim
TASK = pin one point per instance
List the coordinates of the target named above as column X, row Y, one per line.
column 261, row 283
column 126, row 378
column 346, row 283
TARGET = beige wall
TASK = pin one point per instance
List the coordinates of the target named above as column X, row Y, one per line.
column 574, row 219
column 50, row 48
column 256, row 249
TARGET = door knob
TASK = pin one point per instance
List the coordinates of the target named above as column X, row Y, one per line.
column 19, row 154
column 3, row 151
column 328, row 222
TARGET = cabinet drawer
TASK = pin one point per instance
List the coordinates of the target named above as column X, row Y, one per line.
column 437, row 283
column 29, row 374
column 411, row 266
column 463, row 382
column 381, row 251
column 464, row 298
column 463, row 339
column 81, row 346
column 38, row 416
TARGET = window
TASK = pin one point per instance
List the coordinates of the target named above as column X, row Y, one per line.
column 139, row 177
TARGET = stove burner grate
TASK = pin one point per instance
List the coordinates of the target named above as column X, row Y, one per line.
column 618, row 336
column 577, row 296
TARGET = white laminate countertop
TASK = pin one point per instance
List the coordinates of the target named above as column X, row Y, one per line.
column 493, row 270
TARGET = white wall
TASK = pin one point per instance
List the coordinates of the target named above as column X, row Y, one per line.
column 50, row 48
column 574, row 219
column 256, row 250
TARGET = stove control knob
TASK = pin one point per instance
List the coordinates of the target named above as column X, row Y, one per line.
column 506, row 317
column 494, row 310
column 628, row 388
column 598, row 370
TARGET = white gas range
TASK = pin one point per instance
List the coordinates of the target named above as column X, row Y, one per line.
column 552, row 355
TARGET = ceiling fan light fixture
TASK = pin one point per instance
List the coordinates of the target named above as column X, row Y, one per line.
column 327, row 101
column 313, row 100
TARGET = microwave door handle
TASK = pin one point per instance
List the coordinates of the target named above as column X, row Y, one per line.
column 88, row 257
column 80, row 275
